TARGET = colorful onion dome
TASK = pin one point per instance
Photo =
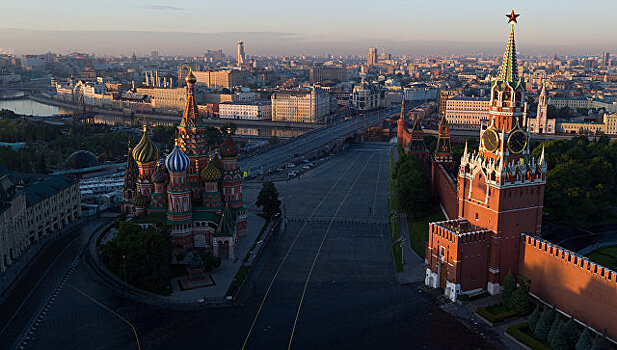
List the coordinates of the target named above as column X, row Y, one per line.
column 145, row 151
column 211, row 172
column 159, row 175
column 177, row 161
column 217, row 162
column 229, row 148
column 141, row 200
column 190, row 78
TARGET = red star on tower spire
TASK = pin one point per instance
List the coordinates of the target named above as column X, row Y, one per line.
column 512, row 17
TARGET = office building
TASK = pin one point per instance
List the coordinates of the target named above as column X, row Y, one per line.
column 321, row 74
column 240, row 57
column 372, row 56
column 228, row 78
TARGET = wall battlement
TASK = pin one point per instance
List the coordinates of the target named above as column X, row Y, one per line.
column 571, row 282
column 570, row 258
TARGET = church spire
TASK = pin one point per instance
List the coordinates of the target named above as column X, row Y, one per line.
column 509, row 66
column 191, row 112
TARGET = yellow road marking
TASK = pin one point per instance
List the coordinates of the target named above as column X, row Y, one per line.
column 263, row 300
column 293, row 330
column 110, row 310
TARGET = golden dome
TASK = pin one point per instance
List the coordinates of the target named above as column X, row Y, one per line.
column 190, row 78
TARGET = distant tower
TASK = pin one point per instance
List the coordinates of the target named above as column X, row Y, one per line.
column 400, row 130
column 606, row 57
column 372, row 56
column 443, row 151
column 542, row 111
column 240, row 57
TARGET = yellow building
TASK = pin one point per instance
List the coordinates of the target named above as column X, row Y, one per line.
column 466, row 112
column 300, row 106
column 33, row 206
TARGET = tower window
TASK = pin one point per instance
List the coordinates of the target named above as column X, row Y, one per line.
column 477, row 216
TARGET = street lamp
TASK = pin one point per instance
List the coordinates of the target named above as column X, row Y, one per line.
column 124, row 272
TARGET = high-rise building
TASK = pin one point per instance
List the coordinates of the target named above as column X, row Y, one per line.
column 240, row 57
column 606, row 58
column 154, row 55
column 372, row 56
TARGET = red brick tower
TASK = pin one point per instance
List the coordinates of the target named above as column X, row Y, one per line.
column 500, row 192
column 402, row 135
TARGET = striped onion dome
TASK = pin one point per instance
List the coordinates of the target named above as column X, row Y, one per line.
column 229, row 148
column 211, row 172
column 177, row 161
column 145, row 151
column 141, row 200
column 217, row 162
column 159, row 175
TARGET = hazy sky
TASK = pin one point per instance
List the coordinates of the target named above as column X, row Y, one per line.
column 110, row 27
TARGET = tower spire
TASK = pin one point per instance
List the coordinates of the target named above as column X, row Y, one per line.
column 403, row 108
column 509, row 66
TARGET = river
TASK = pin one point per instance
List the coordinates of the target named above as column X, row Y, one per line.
column 26, row 106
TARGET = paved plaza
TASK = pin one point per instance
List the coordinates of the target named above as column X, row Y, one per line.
column 326, row 281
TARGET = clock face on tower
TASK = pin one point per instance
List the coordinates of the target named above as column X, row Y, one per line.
column 517, row 141
column 490, row 140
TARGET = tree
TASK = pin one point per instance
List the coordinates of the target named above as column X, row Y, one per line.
column 554, row 328
column 509, row 285
column 229, row 128
column 560, row 341
column 145, row 253
column 600, row 342
column 584, row 341
column 571, row 332
column 520, row 300
column 534, row 318
column 544, row 325
column 412, row 185
column 268, row 199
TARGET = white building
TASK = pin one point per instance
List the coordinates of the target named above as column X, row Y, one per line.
column 248, row 110
column 420, row 92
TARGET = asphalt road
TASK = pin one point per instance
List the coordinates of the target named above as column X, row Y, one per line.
column 46, row 272
column 326, row 281
column 310, row 141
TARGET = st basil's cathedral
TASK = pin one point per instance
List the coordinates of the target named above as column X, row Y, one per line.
column 196, row 191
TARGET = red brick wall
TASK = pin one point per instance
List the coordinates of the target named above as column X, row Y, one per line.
column 559, row 276
column 444, row 189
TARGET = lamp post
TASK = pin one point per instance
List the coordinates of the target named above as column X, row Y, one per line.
column 124, row 272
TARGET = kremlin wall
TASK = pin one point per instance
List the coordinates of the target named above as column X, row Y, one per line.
column 494, row 204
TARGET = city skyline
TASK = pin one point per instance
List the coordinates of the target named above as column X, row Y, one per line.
column 190, row 27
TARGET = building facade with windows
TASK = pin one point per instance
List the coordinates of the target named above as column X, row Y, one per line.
column 33, row 206
column 247, row 110
column 300, row 106
column 467, row 112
